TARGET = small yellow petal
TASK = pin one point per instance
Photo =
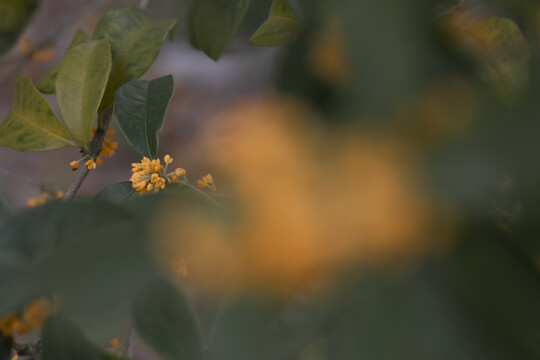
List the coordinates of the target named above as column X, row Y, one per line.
column 208, row 178
column 180, row 172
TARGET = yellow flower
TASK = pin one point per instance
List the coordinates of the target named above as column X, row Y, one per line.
column 114, row 346
column 90, row 164
column 201, row 184
column 6, row 324
column 20, row 327
column 33, row 318
column 31, row 202
column 207, row 181
column 156, row 165
column 74, row 165
column 168, row 159
column 180, row 172
column 109, row 146
column 36, row 313
column 139, row 186
column 160, row 183
column 208, row 178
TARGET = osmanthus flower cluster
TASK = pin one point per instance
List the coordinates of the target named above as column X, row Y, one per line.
column 151, row 175
column 32, row 318
column 107, row 150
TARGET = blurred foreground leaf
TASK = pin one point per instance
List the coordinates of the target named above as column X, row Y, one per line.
column 253, row 327
column 165, row 321
column 74, row 250
column 281, row 27
column 213, row 23
column 140, row 108
column 62, row 340
column 5, row 347
column 116, row 192
column 389, row 45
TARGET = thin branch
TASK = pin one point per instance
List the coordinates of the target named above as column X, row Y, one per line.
column 28, row 180
column 95, row 149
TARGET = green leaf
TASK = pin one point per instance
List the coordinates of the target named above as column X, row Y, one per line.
column 140, row 108
column 116, row 192
column 76, row 250
column 55, row 224
column 388, row 44
column 251, row 327
column 192, row 194
column 14, row 15
column 213, row 24
column 105, row 355
column 47, row 84
column 5, row 347
column 501, row 53
column 165, row 321
column 80, row 86
column 32, row 125
column 136, row 39
column 62, row 340
column 281, row 28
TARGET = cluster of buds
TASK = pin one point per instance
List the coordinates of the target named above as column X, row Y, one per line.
column 206, row 181
column 107, row 150
column 32, row 318
column 151, row 175
column 45, row 196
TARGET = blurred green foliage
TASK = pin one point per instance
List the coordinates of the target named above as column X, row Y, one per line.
column 14, row 15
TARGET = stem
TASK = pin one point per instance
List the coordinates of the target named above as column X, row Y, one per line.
column 100, row 120
column 26, row 179
column 27, row 351
column 95, row 149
